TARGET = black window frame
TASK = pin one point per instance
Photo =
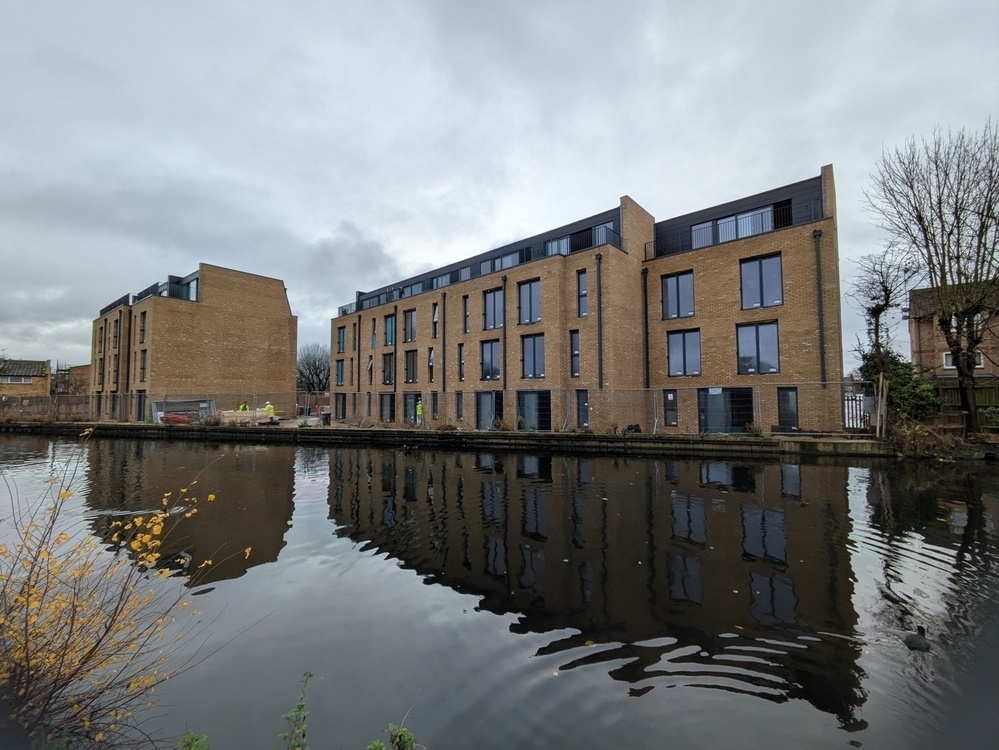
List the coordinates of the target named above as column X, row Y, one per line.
column 409, row 326
column 532, row 365
column 529, row 301
column 755, row 290
column 686, row 370
column 574, row 354
column 411, row 367
column 490, row 356
column 582, row 294
column 493, row 309
column 745, row 359
column 676, row 289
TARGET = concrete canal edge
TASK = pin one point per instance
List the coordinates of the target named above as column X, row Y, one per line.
column 689, row 446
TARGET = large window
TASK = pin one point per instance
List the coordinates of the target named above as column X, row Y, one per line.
column 678, row 295
column 758, row 350
column 684, row 353
column 386, row 407
column 787, row 408
column 488, row 409
column 339, row 406
column 582, row 409
column 574, row 354
column 534, row 410
column 388, row 368
column 492, row 309
column 533, row 356
column 582, row 305
column 411, row 371
column 762, row 284
column 724, row 409
column 389, row 330
column 491, row 360
column 341, row 339
column 746, row 224
column 409, row 325
column 339, row 372
column 530, row 301
column 143, row 363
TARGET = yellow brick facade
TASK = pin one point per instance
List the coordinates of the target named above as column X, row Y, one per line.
column 620, row 375
column 237, row 336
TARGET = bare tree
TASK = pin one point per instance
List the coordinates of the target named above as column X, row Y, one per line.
column 880, row 287
column 314, row 367
column 938, row 199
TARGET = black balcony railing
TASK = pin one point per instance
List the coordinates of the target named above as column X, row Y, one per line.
column 734, row 227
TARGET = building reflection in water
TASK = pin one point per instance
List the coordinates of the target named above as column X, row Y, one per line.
column 254, row 488
column 730, row 576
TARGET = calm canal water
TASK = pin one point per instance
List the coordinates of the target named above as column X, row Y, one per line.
column 521, row 601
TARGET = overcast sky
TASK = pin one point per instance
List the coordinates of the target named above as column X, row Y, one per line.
column 343, row 145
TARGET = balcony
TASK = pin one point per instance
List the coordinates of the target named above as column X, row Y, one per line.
column 673, row 239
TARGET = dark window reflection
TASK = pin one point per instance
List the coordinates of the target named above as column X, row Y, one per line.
column 728, row 476
column 534, row 568
column 584, row 470
column 790, row 480
column 685, row 578
column 773, row 599
column 491, row 501
column 764, row 533
column 535, row 514
column 689, row 519
column 409, row 484
column 578, row 537
column 495, row 557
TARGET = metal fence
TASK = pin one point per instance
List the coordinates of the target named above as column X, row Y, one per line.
column 768, row 408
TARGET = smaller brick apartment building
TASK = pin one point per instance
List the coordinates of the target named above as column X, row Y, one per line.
column 25, row 378
column 928, row 348
column 722, row 320
column 215, row 331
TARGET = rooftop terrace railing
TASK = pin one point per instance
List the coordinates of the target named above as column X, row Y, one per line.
column 585, row 239
column 727, row 228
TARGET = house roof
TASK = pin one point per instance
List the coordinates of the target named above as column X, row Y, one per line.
column 24, row 368
column 922, row 303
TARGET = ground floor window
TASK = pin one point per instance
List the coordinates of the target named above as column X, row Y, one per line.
column 724, row 409
column 412, row 408
column 339, row 406
column 488, row 409
column 140, row 405
column 787, row 409
column 459, row 406
column 386, row 407
column 582, row 409
column 435, row 405
column 534, row 410
column 671, row 413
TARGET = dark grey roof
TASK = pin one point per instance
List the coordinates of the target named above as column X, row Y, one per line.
column 24, row 368
column 921, row 303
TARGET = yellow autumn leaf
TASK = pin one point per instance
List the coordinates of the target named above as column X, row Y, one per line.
column 65, row 494
column 247, row 552
column 211, row 497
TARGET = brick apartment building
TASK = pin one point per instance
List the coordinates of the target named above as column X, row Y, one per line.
column 214, row 331
column 722, row 320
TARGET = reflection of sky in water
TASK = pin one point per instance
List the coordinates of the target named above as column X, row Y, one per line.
column 536, row 601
